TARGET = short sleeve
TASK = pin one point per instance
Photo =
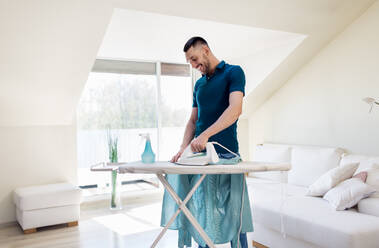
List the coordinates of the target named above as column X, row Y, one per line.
column 237, row 80
column 194, row 103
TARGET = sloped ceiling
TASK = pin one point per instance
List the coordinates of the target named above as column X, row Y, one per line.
column 320, row 20
column 48, row 46
column 138, row 35
column 257, row 50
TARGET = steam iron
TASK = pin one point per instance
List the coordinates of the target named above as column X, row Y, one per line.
column 199, row 158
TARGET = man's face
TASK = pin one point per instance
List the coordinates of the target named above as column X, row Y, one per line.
column 198, row 57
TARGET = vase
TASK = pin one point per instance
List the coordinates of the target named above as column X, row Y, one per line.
column 115, row 193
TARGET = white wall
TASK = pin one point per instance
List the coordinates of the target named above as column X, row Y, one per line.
column 258, row 65
column 32, row 156
column 321, row 104
column 243, row 138
column 47, row 49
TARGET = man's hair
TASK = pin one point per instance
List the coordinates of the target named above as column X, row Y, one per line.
column 194, row 41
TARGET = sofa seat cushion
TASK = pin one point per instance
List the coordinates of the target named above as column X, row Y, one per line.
column 264, row 184
column 46, row 196
column 369, row 206
column 313, row 220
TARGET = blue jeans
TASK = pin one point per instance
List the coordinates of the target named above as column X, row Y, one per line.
column 243, row 241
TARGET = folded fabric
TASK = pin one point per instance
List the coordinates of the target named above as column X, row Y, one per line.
column 228, row 155
column 228, row 158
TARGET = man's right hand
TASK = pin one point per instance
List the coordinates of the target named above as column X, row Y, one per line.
column 177, row 156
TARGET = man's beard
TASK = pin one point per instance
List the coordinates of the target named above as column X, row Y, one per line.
column 207, row 66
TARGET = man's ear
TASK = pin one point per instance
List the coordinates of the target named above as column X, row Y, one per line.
column 206, row 49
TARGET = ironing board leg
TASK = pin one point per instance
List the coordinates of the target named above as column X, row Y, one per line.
column 182, row 207
column 189, row 195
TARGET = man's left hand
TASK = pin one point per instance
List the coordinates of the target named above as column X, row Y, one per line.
column 198, row 144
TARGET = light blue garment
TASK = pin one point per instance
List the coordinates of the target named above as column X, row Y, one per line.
column 228, row 158
column 216, row 205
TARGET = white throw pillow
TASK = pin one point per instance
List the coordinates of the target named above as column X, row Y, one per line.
column 348, row 193
column 308, row 164
column 331, row 179
column 373, row 179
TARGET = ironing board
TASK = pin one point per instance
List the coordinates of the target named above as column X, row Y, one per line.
column 163, row 167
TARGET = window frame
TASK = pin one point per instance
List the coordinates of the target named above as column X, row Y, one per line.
column 136, row 66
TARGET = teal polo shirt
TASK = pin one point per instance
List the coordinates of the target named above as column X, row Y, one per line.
column 211, row 97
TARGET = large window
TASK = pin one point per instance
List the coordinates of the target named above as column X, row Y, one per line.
column 176, row 95
column 130, row 98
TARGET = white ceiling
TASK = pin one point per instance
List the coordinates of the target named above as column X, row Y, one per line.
column 137, row 35
column 298, row 16
column 320, row 20
column 50, row 46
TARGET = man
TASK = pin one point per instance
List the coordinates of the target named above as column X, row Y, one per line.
column 217, row 104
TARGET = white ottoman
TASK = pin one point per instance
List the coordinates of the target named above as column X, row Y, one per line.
column 46, row 205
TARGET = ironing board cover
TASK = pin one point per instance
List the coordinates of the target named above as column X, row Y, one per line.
column 216, row 205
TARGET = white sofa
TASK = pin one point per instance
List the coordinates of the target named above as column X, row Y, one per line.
column 284, row 216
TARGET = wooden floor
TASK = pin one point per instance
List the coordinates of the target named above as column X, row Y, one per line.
column 135, row 226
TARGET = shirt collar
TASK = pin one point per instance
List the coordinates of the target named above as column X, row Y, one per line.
column 220, row 65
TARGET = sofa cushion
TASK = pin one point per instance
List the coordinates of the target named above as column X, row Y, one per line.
column 331, row 178
column 46, row 196
column 365, row 162
column 275, row 187
column 373, row 179
column 348, row 193
column 272, row 153
column 369, row 206
column 308, row 164
column 275, row 153
column 311, row 219
column 361, row 175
